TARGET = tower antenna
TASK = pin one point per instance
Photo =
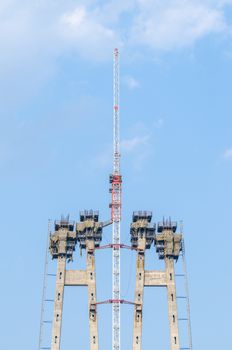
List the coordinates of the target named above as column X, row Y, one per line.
column 116, row 181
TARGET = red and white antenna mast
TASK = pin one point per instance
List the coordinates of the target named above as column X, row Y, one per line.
column 116, row 181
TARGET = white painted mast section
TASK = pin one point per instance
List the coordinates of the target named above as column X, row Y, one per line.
column 116, row 136
column 116, row 211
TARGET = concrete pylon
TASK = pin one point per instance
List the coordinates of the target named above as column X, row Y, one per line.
column 62, row 245
column 91, row 282
column 142, row 236
column 139, row 288
column 168, row 246
column 58, row 306
column 172, row 304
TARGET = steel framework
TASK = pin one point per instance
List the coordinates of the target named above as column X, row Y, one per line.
column 116, row 181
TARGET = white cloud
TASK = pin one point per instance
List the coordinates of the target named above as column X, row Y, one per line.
column 82, row 31
column 228, row 153
column 35, row 35
column 38, row 33
column 111, row 11
column 138, row 148
column 167, row 25
column 158, row 123
column 135, row 149
column 132, row 144
column 131, row 82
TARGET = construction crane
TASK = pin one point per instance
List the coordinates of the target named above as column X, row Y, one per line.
column 116, row 190
column 87, row 232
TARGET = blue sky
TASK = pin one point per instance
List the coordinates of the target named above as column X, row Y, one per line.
column 56, row 144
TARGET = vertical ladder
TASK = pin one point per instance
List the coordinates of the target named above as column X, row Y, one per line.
column 186, row 296
column 43, row 321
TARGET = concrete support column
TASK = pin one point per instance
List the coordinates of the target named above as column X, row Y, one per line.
column 91, row 282
column 58, row 307
column 172, row 305
column 139, row 289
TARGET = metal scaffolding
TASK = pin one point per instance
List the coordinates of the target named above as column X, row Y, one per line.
column 116, row 181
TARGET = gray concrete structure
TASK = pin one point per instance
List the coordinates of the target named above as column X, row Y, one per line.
column 142, row 236
column 62, row 245
column 168, row 246
column 88, row 234
column 63, row 241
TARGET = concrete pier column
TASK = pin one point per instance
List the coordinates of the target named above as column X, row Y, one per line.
column 139, row 289
column 91, row 281
column 58, row 306
column 172, row 304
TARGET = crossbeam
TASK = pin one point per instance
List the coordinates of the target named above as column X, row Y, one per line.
column 115, row 301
